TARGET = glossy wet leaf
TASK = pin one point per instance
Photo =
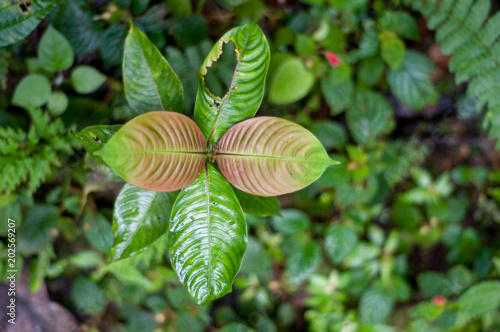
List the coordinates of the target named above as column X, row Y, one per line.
column 150, row 84
column 216, row 115
column 94, row 138
column 268, row 156
column 140, row 217
column 54, row 51
column 17, row 23
column 258, row 205
column 159, row 151
column 208, row 236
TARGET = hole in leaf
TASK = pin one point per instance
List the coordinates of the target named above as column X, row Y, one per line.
column 24, row 7
column 219, row 75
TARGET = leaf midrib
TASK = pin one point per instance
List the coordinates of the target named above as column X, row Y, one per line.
column 255, row 156
column 209, row 267
column 32, row 15
column 156, row 151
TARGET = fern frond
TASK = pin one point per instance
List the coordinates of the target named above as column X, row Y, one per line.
column 31, row 157
column 464, row 30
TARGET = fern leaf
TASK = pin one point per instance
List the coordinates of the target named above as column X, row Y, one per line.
column 491, row 31
column 478, row 14
column 441, row 14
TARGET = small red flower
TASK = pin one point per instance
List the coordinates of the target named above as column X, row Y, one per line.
column 332, row 58
column 439, row 300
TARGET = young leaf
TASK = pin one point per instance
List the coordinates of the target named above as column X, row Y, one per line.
column 258, row 205
column 411, row 82
column 33, row 91
column 149, row 82
column 18, row 20
column 392, row 50
column 94, row 138
column 290, row 82
column 208, row 236
column 268, row 156
column 86, row 79
column 140, row 217
column 159, row 151
column 58, row 103
column 216, row 115
column 54, row 51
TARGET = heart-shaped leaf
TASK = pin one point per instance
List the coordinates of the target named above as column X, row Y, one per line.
column 208, row 236
column 159, row 151
column 94, row 138
column 54, row 51
column 18, row 19
column 268, row 156
column 216, row 115
column 139, row 219
column 150, row 84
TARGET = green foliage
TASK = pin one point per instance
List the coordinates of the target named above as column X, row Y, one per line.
column 54, row 51
column 32, row 92
column 290, row 82
column 31, row 156
column 86, row 79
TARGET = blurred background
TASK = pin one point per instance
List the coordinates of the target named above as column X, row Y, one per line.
column 402, row 236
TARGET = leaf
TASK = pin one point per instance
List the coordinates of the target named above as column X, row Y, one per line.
column 258, row 205
column 303, row 262
column 88, row 296
column 480, row 298
column 140, row 217
column 375, row 306
column 370, row 70
column 33, row 91
column 402, row 23
column 369, row 116
column 331, row 134
column 338, row 97
column 268, row 156
column 290, row 82
column 54, row 51
column 159, row 151
column 86, row 79
column 16, row 23
column 94, row 138
column 149, row 82
column 340, row 240
column 35, row 235
column 392, row 50
column 411, row 82
column 58, row 103
column 432, row 283
column 216, row 115
column 291, row 221
column 98, row 232
column 208, row 236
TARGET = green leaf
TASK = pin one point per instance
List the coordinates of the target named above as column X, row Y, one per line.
column 17, row 20
column 375, row 306
column 208, row 236
column 480, row 298
column 88, row 296
column 98, row 232
column 340, row 240
column 159, row 151
column 94, row 138
column 370, row 70
column 33, row 91
column 54, row 51
column 411, row 82
column 433, row 284
column 58, row 103
column 402, row 23
column 291, row 221
column 304, row 45
column 149, row 82
column 338, row 97
column 86, row 79
column 258, row 205
column 303, row 261
column 216, row 115
column 331, row 134
column 140, row 217
column 269, row 156
column 392, row 50
column 35, row 235
column 290, row 82
column 369, row 116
